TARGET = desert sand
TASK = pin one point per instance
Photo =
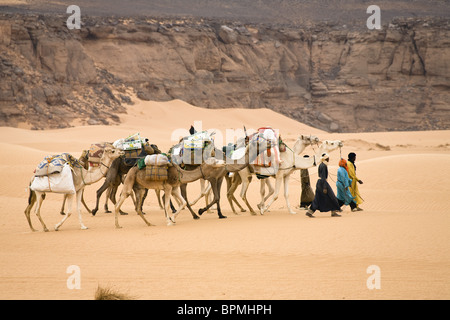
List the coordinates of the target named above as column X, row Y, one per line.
column 404, row 228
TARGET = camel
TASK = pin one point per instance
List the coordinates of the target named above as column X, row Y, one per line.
column 215, row 176
column 294, row 162
column 115, row 176
column 81, row 178
column 245, row 176
column 137, row 182
column 83, row 160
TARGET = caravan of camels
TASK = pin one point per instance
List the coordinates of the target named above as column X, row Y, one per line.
column 138, row 166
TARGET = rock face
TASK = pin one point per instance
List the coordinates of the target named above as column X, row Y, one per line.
column 335, row 78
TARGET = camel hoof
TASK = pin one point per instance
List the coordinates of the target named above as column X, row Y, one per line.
column 84, row 228
column 222, row 217
column 123, row 213
column 200, row 211
column 118, row 227
column 196, row 217
column 94, row 211
column 56, row 229
column 108, row 211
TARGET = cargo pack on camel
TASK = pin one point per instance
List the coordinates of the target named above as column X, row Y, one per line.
column 191, row 149
column 54, row 174
column 156, row 167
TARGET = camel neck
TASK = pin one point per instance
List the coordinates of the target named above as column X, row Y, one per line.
column 187, row 176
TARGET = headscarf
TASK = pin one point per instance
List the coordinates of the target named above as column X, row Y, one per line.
column 352, row 158
column 324, row 157
column 343, row 164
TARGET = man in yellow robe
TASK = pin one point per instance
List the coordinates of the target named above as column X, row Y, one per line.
column 352, row 175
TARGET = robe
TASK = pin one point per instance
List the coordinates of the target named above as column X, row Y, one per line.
column 324, row 201
column 342, row 184
column 307, row 195
column 354, row 186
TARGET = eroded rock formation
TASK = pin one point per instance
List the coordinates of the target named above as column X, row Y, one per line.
column 330, row 76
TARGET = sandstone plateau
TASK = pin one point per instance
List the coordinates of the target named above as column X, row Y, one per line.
column 334, row 76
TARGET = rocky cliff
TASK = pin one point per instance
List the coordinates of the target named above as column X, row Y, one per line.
column 331, row 76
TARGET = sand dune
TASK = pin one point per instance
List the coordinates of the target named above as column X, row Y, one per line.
column 403, row 228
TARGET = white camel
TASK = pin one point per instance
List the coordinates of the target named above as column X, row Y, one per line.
column 287, row 168
column 81, row 178
column 245, row 176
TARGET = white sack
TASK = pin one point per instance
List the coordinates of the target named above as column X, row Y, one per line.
column 156, row 160
column 57, row 182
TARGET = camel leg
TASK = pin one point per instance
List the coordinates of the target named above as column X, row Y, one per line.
column 68, row 214
column 245, row 185
column 108, row 196
column 262, row 192
column 183, row 189
column 219, row 187
column 31, row 202
column 126, row 191
column 231, row 188
column 275, row 195
column 177, row 194
column 167, row 193
column 79, row 199
column 63, row 205
column 39, row 199
column 100, row 191
column 143, row 199
column 112, row 197
column 203, row 191
column 171, row 204
column 140, row 195
column 271, row 189
column 215, row 185
column 84, row 203
column 158, row 195
column 208, row 197
column 286, row 194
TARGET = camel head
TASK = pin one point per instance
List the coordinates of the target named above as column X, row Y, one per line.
column 155, row 148
column 308, row 139
column 303, row 141
column 330, row 145
column 109, row 154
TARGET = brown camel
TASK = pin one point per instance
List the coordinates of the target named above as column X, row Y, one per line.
column 119, row 168
column 137, row 181
column 81, row 178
